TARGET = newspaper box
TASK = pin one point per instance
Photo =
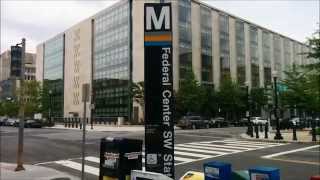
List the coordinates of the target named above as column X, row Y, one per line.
column 264, row 173
column 217, row 171
column 118, row 156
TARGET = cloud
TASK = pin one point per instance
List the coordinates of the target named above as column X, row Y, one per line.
column 40, row 20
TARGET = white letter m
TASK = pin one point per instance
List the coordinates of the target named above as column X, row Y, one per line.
column 164, row 15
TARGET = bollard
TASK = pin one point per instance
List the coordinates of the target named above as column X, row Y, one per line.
column 261, row 128
column 65, row 122
column 76, row 122
column 80, row 123
column 69, row 123
column 72, row 122
column 313, row 131
column 256, row 129
column 294, row 130
column 250, row 129
column 87, row 120
column 266, row 129
column 91, row 123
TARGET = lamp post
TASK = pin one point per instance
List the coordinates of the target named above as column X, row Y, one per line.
column 248, row 114
column 50, row 103
column 278, row 135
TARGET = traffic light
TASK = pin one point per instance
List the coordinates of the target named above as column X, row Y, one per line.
column 16, row 61
column 269, row 93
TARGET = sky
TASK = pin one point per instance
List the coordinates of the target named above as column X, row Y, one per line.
column 38, row 20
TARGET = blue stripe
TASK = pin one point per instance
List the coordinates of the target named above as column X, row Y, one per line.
column 157, row 43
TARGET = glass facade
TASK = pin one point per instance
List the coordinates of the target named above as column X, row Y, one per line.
column 53, row 73
column 111, row 65
column 206, row 45
column 185, row 38
column 277, row 53
column 266, row 50
column 224, row 47
column 255, row 76
column 240, row 53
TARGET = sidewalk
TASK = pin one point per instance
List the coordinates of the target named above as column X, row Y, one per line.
column 32, row 172
column 303, row 136
column 101, row 128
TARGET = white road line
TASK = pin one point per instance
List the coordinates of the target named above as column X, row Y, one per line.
column 244, row 145
column 183, row 159
column 253, row 143
column 223, row 146
column 191, row 154
column 199, row 150
column 288, row 152
column 92, row 159
column 77, row 166
column 209, row 148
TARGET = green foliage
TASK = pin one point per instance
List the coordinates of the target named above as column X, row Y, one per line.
column 190, row 96
column 30, row 97
column 137, row 92
column 259, row 99
column 231, row 98
column 9, row 108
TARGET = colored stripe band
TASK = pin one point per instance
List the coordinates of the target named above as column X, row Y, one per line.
column 157, row 43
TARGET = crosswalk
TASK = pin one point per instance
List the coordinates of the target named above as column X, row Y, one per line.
column 183, row 154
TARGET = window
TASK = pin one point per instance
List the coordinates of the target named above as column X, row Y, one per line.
column 224, row 47
column 255, row 76
column 240, row 53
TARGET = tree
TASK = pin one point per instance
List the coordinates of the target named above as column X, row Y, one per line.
column 231, row 99
column 31, row 97
column 190, row 96
column 258, row 100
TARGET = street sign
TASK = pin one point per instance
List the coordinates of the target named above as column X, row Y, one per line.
column 159, row 131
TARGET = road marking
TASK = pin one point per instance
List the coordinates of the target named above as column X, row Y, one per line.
column 183, row 159
column 208, row 148
column 244, row 145
column 254, row 142
column 199, row 150
column 296, row 161
column 77, row 166
column 191, row 154
column 223, row 146
column 93, row 159
column 251, row 142
column 289, row 152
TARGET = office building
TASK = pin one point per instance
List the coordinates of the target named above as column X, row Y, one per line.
column 8, row 80
column 107, row 51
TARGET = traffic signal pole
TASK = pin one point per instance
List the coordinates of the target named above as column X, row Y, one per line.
column 21, row 110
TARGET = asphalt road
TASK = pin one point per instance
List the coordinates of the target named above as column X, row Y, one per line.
column 61, row 150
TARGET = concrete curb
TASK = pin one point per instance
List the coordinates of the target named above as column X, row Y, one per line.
column 245, row 136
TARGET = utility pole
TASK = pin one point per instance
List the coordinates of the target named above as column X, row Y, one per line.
column 278, row 135
column 21, row 109
column 85, row 99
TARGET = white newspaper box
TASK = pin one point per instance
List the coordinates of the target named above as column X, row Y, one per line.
column 145, row 175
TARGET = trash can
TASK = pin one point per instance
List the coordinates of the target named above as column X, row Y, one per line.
column 118, row 156
column 217, row 171
column 265, row 173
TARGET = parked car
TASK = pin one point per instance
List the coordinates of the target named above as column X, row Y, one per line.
column 258, row 120
column 243, row 122
column 218, row 122
column 3, row 120
column 32, row 123
column 193, row 122
column 11, row 122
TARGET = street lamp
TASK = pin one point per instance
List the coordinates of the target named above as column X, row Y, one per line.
column 278, row 135
column 50, row 95
column 248, row 114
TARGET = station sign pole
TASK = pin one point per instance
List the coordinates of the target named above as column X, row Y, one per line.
column 159, row 110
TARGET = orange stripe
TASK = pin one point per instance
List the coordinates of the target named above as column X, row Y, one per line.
column 162, row 37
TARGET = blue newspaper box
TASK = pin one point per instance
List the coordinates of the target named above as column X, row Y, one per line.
column 264, row 173
column 217, row 171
